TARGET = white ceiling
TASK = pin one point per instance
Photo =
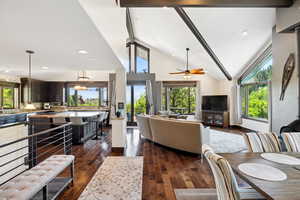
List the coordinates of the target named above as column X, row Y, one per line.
column 55, row 30
column 221, row 27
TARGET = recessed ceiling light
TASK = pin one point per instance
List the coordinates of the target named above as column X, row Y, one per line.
column 245, row 33
column 45, row 68
column 83, row 52
column 6, row 71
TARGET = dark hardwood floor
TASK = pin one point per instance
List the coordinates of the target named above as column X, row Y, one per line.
column 164, row 169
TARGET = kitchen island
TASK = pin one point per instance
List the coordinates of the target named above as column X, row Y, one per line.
column 85, row 124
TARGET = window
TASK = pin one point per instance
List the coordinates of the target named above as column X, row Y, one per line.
column 254, row 91
column 141, row 59
column 181, row 100
column 8, row 97
column 92, row 96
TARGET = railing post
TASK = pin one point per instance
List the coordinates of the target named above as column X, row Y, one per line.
column 65, row 145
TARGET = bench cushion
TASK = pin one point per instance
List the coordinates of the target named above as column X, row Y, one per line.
column 27, row 184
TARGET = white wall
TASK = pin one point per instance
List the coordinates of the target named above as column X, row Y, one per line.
column 285, row 111
column 286, row 17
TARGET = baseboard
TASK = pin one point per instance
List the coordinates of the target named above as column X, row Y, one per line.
column 117, row 149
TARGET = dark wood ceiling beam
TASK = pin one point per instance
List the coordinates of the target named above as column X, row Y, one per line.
column 202, row 41
column 206, row 3
column 129, row 26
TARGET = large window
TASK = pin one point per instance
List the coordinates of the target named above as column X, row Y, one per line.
column 8, row 97
column 255, row 89
column 92, row 96
column 141, row 59
column 181, row 100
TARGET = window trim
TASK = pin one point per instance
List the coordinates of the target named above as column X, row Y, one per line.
column 267, row 52
column 13, row 96
column 168, row 93
column 76, row 94
column 137, row 45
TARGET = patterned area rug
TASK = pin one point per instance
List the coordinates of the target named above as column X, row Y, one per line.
column 118, row 178
column 223, row 142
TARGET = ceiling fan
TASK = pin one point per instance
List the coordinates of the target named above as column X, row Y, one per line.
column 187, row 74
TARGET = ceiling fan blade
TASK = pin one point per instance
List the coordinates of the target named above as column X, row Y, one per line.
column 198, row 72
column 177, row 73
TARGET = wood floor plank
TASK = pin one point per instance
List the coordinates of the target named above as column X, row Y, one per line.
column 165, row 169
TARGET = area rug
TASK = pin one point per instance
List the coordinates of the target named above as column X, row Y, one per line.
column 195, row 194
column 223, row 142
column 118, row 178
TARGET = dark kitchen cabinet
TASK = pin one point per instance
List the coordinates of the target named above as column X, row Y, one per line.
column 38, row 90
column 55, row 91
column 42, row 91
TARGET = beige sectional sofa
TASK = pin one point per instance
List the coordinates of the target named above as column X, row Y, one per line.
column 177, row 134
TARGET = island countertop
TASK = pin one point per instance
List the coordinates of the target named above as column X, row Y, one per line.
column 68, row 114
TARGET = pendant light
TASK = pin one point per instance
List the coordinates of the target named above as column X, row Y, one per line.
column 29, row 105
column 81, row 77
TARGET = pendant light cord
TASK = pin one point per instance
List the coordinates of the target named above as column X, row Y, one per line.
column 29, row 76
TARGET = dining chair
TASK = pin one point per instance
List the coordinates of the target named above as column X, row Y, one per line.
column 262, row 142
column 291, row 141
column 225, row 181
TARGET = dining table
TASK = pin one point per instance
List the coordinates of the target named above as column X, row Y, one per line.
column 288, row 189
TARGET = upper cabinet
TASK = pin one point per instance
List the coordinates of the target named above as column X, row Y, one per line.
column 42, row 91
column 55, row 92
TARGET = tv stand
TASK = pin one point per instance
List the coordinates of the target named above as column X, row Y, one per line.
column 215, row 118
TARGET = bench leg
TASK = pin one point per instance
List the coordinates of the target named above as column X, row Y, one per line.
column 45, row 192
column 72, row 173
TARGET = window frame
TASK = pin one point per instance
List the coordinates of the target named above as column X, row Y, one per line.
column 262, row 58
column 13, row 96
column 136, row 46
column 246, row 116
column 76, row 95
column 167, row 93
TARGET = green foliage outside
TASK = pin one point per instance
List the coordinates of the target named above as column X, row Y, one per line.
column 183, row 100
column 257, row 95
column 8, row 97
column 139, row 106
column 258, row 103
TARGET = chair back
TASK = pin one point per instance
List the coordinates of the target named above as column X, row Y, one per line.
column 292, row 141
column 144, row 126
column 226, row 185
column 262, row 142
column 102, row 116
column 59, row 120
column 76, row 120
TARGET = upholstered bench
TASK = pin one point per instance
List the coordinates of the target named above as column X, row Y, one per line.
column 29, row 183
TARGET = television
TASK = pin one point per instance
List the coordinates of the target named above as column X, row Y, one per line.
column 215, row 103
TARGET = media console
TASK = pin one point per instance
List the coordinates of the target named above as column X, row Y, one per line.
column 215, row 118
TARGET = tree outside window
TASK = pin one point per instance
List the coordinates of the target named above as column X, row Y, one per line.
column 8, row 97
column 255, row 90
column 93, row 96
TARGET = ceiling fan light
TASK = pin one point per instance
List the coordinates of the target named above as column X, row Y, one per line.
column 187, row 76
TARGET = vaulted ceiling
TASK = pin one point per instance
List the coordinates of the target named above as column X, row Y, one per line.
column 234, row 34
column 56, row 30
